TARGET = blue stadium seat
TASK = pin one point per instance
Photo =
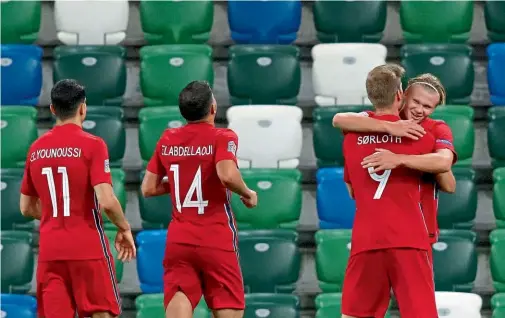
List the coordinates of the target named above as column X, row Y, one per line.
column 264, row 22
column 334, row 205
column 150, row 253
column 21, row 74
column 495, row 74
column 15, row 311
column 18, row 306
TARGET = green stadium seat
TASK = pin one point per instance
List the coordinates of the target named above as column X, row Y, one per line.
column 271, row 305
column 436, row 21
column 155, row 212
column 332, row 252
column 101, row 69
column 497, row 259
column 118, row 184
column 499, row 196
column 329, row 305
column 168, row 22
column 495, row 21
column 18, row 121
column 279, row 199
column 270, row 260
column 17, row 259
column 326, row 138
column 153, row 122
column 111, row 236
column 455, row 261
column 166, row 69
column 344, row 21
column 452, row 63
column 20, row 21
column 264, row 74
column 495, row 133
column 460, row 120
column 457, row 210
column 10, row 185
column 498, row 305
column 151, row 305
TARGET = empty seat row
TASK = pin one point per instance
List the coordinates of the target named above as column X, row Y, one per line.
column 262, row 22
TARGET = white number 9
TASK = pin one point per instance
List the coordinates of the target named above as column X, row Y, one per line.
column 382, row 179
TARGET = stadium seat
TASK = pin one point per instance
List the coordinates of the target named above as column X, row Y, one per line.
column 118, row 185
column 328, row 140
column 17, row 261
column 436, row 21
column 8, row 310
column 329, row 304
column 344, row 21
column 264, row 74
column 118, row 265
column 264, row 22
column 497, row 259
column 17, row 306
column 155, row 212
column 270, row 260
column 495, row 21
column 20, row 21
column 21, row 123
column 457, row 305
column 499, row 197
column 21, row 74
column 153, row 122
column 271, row 305
column 270, row 136
column 332, row 251
column 151, row 305
column 270, row 213
column 335, row 208
column 498, row 305
column 150, row 254
column 339, row 72
column 101, row 69
column 460, row 120
column 451, row 63
column 10, row 185
column 457, row 210
column 166, row 69
column 495, row 133
column 455, row 247
column 98, row 22
column 168, row 22
column 495, row 77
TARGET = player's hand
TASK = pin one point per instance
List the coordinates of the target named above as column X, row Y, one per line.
column 125, row 246
column 405, row 128
column 251, row 201
column 382, row 159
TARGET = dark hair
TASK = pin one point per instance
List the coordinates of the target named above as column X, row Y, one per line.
column 66, row 96
column 195, row 100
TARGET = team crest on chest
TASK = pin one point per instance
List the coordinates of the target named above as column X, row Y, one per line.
column 232, row 147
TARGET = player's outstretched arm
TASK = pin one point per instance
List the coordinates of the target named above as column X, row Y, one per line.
column 30, row 206
column 154, row 185
column 231, row 178
column 446, row 181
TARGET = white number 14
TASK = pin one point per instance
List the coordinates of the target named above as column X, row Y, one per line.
column 382, row 179
column 196, row 186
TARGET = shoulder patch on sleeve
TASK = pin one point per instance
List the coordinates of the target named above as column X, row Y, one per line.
column 232, row 147
column 444, row 141
column 106, row 166
column 366, row 114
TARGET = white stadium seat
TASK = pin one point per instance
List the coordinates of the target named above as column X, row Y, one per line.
column 270, row 136
column 458, row 305
column 339, row 71
column 91, row 22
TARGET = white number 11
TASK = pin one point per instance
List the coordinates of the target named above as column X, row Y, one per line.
column 52, row 190
column 382, row 179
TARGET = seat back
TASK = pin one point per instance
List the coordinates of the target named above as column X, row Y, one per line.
column 10, row 186
column 496, row 78
column 166, row 69
column 498, row 305
column 118, row 185
column 151, row 305
column 497, row 259
column 271, row 305
column 150, row 252
column 495, row 131
column 270, row 136
column 21, row 74
column 457, row 305
column 344, row 21
column 332, row 251
column 499, row 196
column 21, row 123
column 339, row 72
column 19, row 300
column 451, row 63
column 155, row 212
column 101, row 69
column 20, row 21
column 168, row 22
column 335, row 208
column 99, row 22
column 270, row 260
column 17, row 261
column 9, row 310
column 495, row 22
column 118, row 265
column 264, row 22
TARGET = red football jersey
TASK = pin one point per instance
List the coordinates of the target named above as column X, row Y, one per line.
column 388, row 212
column 429, row 187
column 62, row 167
column 201, row 213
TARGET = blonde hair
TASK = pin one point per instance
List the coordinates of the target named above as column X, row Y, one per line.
column 430, row 82
column 382, row 84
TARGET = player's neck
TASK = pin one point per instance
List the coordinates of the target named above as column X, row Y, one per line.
column 386, row 111
column 74, row 121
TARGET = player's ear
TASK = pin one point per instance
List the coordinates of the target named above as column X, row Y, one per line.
column 51, row 107
column 213, row 107
column 83, row 109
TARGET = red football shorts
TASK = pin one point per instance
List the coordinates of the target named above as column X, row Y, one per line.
column 370, row 276
column 82, row 286
column 198, row 271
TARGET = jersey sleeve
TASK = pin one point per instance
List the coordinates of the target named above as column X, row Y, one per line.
column 444, row 139
column 226, row 146
column 27, row 187
column 155, row 165
column 100, row 167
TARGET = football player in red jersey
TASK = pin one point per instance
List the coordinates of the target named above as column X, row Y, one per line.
column 423, row 94
column 66, row 182
column 201, row 255
column 389, row 245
